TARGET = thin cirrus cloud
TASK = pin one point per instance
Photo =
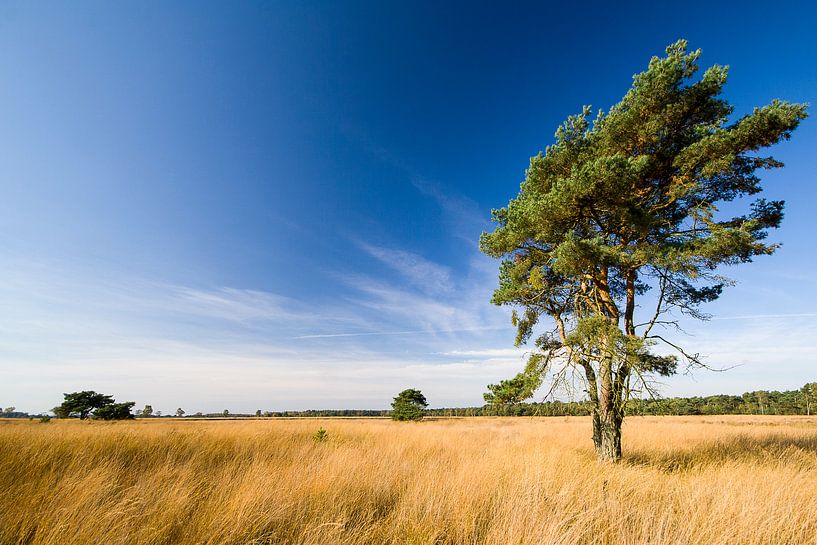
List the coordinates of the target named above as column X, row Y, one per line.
column 761, row 316
column 238, row 304
column 487, row 353
column 419, row 272
column 412, row 332
column 465, row 218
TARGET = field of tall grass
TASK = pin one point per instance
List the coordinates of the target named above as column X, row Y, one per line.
column 687, row 480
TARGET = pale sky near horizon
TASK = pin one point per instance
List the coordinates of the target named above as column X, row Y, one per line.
column 277, row 205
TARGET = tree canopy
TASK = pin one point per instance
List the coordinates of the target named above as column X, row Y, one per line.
column 115, row 411
column 625, row 204
column 89, row 403
column 409, row 405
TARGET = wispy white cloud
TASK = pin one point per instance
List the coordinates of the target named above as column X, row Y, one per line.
column 488, row 353
column 413, row 332
column 466, row 309
column 762, row 316
column 236, row 304
column 764, row 353
column 421, row 273
column 466, row 219
column 426, row 312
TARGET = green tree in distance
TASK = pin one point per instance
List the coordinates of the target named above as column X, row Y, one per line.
column 82, row 404
column 115, row 411
column 809, row 392
column 408, row 405
column 622, row 205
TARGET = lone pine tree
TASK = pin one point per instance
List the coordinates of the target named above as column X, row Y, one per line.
column 89, row 403
column 625, row 205
column 409, row 405
column 82, row 404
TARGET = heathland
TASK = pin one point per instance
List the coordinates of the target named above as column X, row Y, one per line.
column 683, row 480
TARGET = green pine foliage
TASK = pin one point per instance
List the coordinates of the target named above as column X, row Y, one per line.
column 92, row 404
column 409, row 404
column 115, row 411
column 320, row 436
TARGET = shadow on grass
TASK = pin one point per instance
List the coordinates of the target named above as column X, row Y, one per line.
column 778, row 449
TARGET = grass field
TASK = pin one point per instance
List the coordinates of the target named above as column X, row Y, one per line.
column 717, row 480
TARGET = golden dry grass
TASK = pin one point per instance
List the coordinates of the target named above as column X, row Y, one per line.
column 719, row 480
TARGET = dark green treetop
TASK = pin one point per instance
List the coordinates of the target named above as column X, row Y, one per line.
column 89, row 403
column 115, row 411
column 409, row 405
column 82, row 404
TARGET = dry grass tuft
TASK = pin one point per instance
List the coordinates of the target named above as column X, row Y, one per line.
column 720, row 480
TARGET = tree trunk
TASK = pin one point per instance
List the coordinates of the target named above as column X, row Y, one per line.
column 607, row 435
column 610, row 412
column 596, row 431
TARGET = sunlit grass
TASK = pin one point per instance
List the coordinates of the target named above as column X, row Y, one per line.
column 718, row 480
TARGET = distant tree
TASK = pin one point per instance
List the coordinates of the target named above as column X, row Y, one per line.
column 226, row 412
column 147, row 411
column 626, row 203
column 748, row 403
column 115, row 411
column 409, row 405
column 9, row 410
column 809, row 392
column 258, row 412
column 82, row 404
column 180, row 412
column 158, row 413
column 762, row 400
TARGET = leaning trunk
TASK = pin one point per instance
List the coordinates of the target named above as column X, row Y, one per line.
column 607, row 435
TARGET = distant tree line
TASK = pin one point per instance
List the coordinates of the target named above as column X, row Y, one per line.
column 12, row 412
column 760, row 402
column 314, row 413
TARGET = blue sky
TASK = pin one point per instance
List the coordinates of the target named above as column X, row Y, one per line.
column 277, row 205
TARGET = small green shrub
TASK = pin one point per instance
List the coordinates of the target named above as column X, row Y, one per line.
column 320, row 435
